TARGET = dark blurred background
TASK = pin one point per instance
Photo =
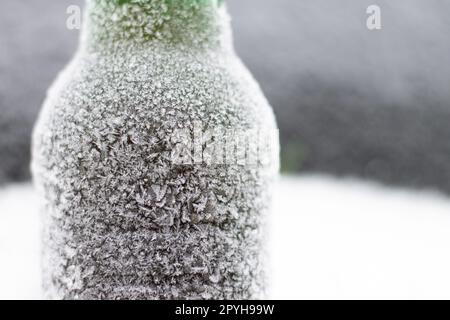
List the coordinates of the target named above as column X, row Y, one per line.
column 349, row 101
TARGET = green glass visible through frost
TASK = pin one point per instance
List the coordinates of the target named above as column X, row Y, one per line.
column 188, row 22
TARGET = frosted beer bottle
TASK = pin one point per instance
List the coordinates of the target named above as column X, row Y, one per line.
column 152, row 159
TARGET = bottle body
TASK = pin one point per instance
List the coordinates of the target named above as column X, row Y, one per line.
column 121, row 218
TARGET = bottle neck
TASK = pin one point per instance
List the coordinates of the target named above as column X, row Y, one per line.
column 189, row 23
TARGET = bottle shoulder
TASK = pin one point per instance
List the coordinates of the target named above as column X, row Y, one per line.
column 152, row 85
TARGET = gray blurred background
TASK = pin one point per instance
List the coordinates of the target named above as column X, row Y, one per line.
column 349, row 101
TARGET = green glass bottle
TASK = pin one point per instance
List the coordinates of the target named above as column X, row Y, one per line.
column 135, row 203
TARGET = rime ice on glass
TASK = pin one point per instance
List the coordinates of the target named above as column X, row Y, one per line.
column 121, row 220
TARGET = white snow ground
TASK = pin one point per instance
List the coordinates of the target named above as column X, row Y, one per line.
column 331, row 239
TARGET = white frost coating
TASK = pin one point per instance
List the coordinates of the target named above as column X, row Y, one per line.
column 121, row 221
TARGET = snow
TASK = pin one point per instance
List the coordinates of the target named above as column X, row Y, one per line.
column 331, row 238
column 19, row 243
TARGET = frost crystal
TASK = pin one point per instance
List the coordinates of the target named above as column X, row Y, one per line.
column 121, row 220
